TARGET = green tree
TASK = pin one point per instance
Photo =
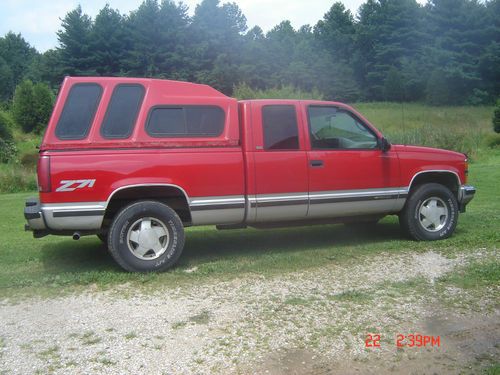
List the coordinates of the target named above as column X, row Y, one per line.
column 107, row 42
column 459, row 36
column 32, row 106
column 388, row 32
column 254, row 69
column 47, row 67
column 18, row 54
column 23, row 106
column 393, row 86
column 74, row 40
column 157, row 36
column 6, row 80
column 336, row 32
column 437, row 89
column 43, row 100
column 489, row 69
column 217, row 36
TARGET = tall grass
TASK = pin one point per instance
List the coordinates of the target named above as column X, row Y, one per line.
column 464, row 129
column 14, row 177
column 19, row 175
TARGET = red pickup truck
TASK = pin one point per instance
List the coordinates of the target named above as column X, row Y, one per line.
column 137, row 160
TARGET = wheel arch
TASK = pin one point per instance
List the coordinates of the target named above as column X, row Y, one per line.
column 172, row 195
column 447, row 178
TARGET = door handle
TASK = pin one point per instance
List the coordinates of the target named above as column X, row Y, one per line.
column 316, row 163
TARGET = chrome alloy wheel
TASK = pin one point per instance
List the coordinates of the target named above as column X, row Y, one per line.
column 433, row 214
column 148, row 238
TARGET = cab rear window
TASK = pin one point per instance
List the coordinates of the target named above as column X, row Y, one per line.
column 79, row 111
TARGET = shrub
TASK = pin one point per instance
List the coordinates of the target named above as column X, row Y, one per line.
column 32, row 105
column 23, row 106
column 8, row 151
column 493, row 140
column 496, row 118
column 43, row 101
column 5, row 126
column 29, row 160
column 478, row 97
column 7, row 148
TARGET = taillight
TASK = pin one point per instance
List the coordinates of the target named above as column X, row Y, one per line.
column 43, row 174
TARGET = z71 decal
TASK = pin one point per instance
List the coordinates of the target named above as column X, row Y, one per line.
column 72, row 185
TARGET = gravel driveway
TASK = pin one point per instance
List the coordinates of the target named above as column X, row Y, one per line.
column 309, row 322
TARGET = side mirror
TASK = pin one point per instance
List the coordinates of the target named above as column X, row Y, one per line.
column 384, row 144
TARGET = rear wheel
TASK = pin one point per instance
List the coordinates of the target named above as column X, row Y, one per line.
column 431, row 213
column 146, row 236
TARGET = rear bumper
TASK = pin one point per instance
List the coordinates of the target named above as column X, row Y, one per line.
column 33, row 215
column 63, row 218
column 465, row 195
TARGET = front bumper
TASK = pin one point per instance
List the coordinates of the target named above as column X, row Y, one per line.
column 465, row 195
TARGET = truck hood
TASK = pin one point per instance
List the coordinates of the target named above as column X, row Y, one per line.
column 438, row 152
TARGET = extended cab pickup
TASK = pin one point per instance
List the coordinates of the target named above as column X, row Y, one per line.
column 137, row 160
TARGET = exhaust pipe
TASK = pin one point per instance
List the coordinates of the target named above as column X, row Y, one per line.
column 76, row 236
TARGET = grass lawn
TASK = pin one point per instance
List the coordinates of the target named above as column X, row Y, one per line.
column 54, row 264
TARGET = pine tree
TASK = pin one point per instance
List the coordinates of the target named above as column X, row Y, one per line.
column 107, row 42
column 393, row 86
column 74, row 40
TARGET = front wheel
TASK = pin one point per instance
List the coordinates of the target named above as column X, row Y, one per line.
column 146, row 236
column 431, row 213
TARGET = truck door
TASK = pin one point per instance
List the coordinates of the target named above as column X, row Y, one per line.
column 280, row 162
column 348, row 172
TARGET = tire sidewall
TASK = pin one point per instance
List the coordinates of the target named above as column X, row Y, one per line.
column 438, row 191
column 127, row 217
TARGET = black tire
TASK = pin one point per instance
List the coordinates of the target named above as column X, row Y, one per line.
column 127, row 226
column 440, row 202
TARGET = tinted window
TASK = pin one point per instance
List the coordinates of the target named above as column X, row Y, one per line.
column 333, row 128
column 79, row 111
column 279, row 124
column 122, row 111
column 185, row 121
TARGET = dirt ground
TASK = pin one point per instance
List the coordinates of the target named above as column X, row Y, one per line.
column 312, row 322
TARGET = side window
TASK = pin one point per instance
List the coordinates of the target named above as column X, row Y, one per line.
column 185, row 121
column 79, row 111
column 333, row 128
column 279, row 125
column 122, row 111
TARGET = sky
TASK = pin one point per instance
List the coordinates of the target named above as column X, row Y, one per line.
column 39, row 20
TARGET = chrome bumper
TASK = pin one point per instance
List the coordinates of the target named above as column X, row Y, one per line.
column 45, row 219
column 33, row 215
column 465, row 195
